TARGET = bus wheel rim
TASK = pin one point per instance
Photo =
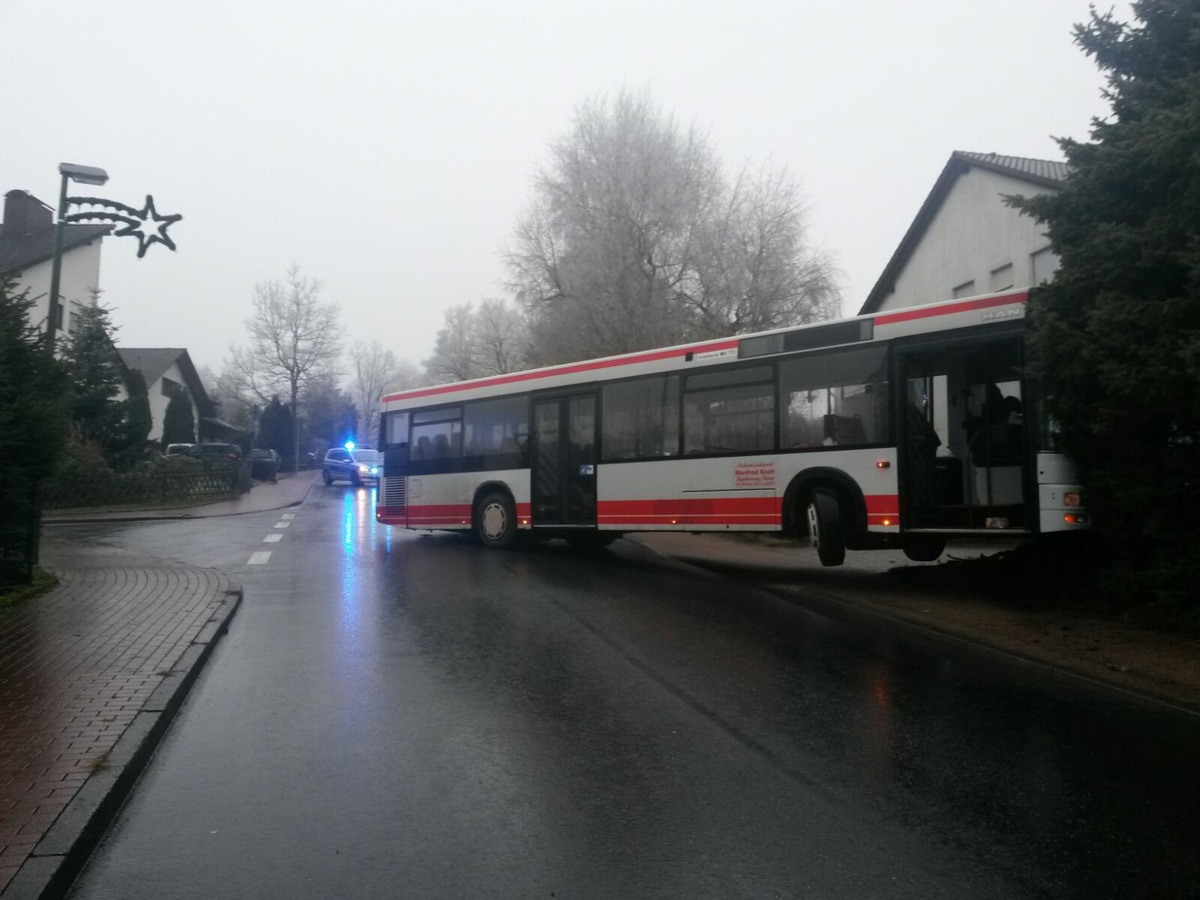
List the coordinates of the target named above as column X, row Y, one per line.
column 494, row 520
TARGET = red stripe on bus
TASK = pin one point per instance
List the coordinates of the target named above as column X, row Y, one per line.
column 883, row 509
column 883, row 504
column 908, row 315
column 443, row 514
column 711, row 506
column 615, row 522
column 764, row 511
column 570, row 369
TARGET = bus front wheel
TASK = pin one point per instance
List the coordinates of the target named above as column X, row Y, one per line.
column 923, row 547
column 496, row 520
column 825, row 528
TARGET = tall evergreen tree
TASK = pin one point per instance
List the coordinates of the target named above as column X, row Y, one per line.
column 136, row 423
column 179, row 420
column 276, row 430
column 1117, row 332
column 95, row 376
column 33, row 422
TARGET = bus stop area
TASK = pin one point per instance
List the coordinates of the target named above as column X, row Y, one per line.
column 92, row 672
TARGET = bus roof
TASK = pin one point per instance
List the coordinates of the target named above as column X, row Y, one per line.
column 932, row 317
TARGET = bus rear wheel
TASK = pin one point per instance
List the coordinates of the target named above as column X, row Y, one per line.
column 592, row 540
column 923, row 547
column 496, row 521
column 825, row 528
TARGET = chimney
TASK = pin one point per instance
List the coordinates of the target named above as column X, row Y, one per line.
column 24, row 214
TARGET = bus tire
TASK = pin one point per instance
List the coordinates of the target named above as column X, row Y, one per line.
column 825, row 528
column 592, row 540
column 923, row 547
column 496, row 520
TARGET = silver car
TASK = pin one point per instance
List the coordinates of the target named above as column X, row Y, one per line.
column 358, row 466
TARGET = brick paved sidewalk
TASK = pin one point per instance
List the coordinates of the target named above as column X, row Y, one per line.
column 78, row 666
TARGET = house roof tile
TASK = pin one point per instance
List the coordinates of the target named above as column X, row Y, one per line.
column 152, row 362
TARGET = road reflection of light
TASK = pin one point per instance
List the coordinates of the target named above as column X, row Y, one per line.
column 879, row 725
column 360, row 533
column 351, row 589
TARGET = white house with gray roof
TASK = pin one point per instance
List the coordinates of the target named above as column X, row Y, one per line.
column 27, row 253
column 167, row 370
column 966, row 240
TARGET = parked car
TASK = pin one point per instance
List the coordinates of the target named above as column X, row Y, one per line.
column 358, row 466
column 264, row 465
column 229, row 452
column 179, row 449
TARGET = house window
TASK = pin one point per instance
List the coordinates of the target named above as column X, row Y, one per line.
column 1001, row 279
column 74, row 318
column 966, row 289
column 1044, row 263
column 169, row 387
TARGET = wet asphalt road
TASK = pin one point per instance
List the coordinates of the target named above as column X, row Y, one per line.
column 396, row 715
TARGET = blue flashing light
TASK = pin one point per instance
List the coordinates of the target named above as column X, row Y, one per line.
column 349, row 445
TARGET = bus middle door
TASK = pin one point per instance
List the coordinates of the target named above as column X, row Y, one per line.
column 563, row 481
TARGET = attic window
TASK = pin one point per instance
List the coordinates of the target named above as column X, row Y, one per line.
column 1045, row 261
column 966, row 289
column 169, row 387
column 1001, row 279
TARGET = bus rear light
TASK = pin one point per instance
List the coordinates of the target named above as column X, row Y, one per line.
column 882, row 464
column 1072, row 498
column 1075, row 519
column 887, row 522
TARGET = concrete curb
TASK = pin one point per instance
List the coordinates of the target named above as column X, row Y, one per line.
column 65, row 849
column 170, row 514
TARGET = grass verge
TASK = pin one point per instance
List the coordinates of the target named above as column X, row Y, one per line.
column 42, row 582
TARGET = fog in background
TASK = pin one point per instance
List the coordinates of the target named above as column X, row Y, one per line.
column 388, row 148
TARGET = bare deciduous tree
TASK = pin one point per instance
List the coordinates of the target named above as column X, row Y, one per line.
column 293, row 339
column 453, row 356
column 376, row 371
column 634, row 239
column 753, row 271
column 490, row 340
column 501, row 338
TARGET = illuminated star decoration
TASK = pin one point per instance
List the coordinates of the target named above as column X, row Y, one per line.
column 145, row 223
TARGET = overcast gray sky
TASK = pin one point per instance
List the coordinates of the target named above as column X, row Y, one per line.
column 388, row 147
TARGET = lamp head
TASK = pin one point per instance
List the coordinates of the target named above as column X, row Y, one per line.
column 83, row 174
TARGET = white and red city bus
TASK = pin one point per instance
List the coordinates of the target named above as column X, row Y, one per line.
column 900, row 428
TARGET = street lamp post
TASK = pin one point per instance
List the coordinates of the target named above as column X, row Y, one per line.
column 83, row 175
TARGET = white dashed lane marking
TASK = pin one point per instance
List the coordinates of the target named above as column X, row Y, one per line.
column 263, row 556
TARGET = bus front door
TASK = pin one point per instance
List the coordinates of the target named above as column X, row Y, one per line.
column 563, row 480
column 964, row 459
